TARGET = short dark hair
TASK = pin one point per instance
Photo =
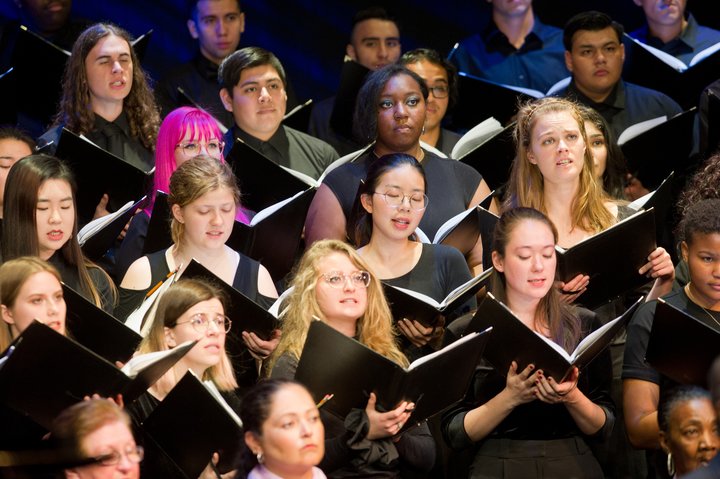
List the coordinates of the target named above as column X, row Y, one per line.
column 432, row 56
column 372, row 13
column 673, row 398
column 192, row 9
column 366, row 106
column 703, row 217
column 249, row 57
column 592, row 21
column 14, row 133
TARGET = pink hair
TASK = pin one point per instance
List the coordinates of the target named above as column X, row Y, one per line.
column 197, row 125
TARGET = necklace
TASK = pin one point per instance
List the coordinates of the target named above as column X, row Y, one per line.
column 694, row 300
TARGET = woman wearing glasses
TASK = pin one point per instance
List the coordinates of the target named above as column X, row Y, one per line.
column 441, row 78
column 184, row 134
column 333, row 284
column 392, row 202
column 190, row 310
column 99, row 429
column 391, row 111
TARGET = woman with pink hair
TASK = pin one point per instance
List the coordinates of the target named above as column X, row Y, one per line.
column 185, row 133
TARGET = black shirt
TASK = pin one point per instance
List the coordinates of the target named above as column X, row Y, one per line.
column 289, row 148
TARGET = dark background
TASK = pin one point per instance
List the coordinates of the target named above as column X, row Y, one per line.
column 309, row 36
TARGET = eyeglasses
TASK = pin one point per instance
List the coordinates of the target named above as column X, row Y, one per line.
column 193, row 148
column 201, row 322
column 440, row 91
column 336, row 279
column 134, row 454
column 395, row 199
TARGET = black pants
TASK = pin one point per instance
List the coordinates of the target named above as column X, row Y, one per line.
column 557, row 458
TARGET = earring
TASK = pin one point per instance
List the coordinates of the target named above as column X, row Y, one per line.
column 670, row 465
column 260, row 458
column 423, row 130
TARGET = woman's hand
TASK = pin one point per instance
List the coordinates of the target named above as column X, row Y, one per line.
column 101, row 208
column 551, row 392
column 259, row 348
column 522, row 385
column 416, row 333
column 570, row 291
column 661, row 268
column 210, row 471
column 386, row 424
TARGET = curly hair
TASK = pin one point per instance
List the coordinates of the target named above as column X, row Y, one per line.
column 375, row 327
column 526, row 187
column 702, row 186
column 560, row 318
column 75, row 112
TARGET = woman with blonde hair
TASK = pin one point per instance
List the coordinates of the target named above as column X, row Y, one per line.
column 30, row 290
column 333, row 284
column 553, row 172
column 189, row 310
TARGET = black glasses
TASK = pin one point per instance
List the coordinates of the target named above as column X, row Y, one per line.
column 336, row 279
column 439, row 91
column 201, row 322
column 134, row 454
column 193, row 148
column 395, row 199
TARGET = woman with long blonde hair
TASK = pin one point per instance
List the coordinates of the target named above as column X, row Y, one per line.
column 333, row 284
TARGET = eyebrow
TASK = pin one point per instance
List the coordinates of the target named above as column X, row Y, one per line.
column 592, row 45
column 109, row 56
column 45, row 200
column 256, row 82
column 364, row 39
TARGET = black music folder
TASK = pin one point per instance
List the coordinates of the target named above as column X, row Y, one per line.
column 332, row 363
column 192, row 423
column 98, row 236
column 97, row 330
column 611, row 258
column 43, row 372
column 97, row 172
column 660, row 71
column 408, row 304
column 352, row 78
column 681, row 346
column 512, row 341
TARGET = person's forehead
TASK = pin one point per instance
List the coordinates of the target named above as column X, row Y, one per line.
column 375, row 28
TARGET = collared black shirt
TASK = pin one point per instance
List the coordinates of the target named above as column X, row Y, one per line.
column 694, row 39
column 289, row 148
column 199, row 79
column 538, row 64
column 627, row 104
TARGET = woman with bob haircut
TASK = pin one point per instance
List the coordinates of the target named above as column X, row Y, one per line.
column 333, row 284
column 189, row 310
column 98, row 429
column 523, row 423
column 185, row 133
column 391, row 112
column 40, row 219
column 106, row 97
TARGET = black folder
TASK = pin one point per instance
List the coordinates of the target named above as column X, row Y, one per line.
column 189, row 425
column 97, row 330
column 352, row 78
column 262, row 182
column 101, row 241
column 245, row 313
column 97, row 172
column 299, row 117
column 405, row 305
column 513, row 341
column 644, row 68
column 713, row 124
column 46, row 372
column 332, row 363
column 611, row 258
column 681, row 346
column 275, row 240
column 651, row 156
column 494, row 157
column 158, row 233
